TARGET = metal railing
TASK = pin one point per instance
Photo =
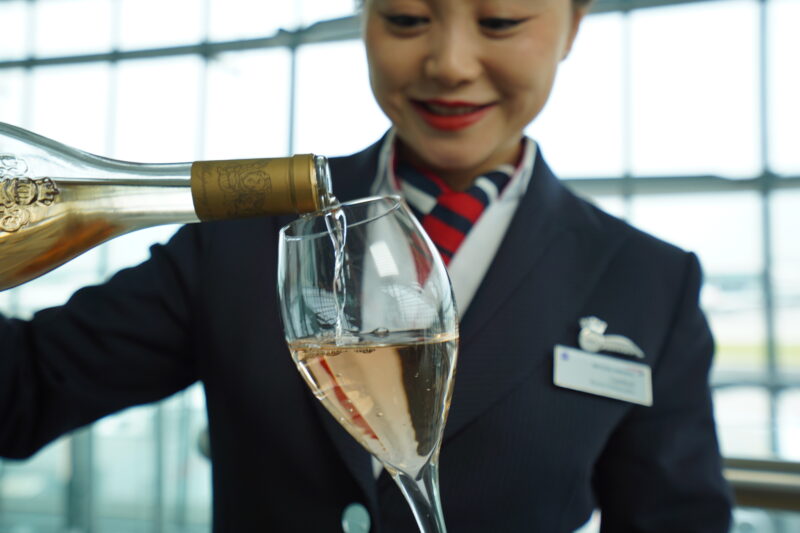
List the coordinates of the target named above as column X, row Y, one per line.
column 766, row 484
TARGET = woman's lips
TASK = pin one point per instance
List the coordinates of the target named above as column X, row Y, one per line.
column 450, row 115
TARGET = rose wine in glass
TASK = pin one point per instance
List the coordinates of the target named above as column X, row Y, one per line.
column 371, row 323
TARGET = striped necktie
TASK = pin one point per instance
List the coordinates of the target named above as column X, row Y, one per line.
column 448, row 215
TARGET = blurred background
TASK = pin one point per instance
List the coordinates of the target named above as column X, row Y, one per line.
column 679, row 116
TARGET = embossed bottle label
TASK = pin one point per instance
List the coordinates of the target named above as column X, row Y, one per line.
column 247, row 186
column 20, row 195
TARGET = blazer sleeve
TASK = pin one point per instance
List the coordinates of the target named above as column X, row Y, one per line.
column 122, row 343
column 661, row 470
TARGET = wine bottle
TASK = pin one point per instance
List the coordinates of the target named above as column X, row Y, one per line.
column 56, row 202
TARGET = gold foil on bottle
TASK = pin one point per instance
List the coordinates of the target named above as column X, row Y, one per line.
column 254, row 187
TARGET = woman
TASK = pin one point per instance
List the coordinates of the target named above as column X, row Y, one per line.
column 535, row 270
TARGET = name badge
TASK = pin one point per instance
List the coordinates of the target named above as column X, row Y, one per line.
column 602, row 375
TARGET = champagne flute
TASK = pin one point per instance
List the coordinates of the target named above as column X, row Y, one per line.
column 371, row 323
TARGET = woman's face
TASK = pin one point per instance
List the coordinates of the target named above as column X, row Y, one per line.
column 460, row 79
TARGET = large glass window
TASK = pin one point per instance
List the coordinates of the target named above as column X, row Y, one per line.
column 158, row 109
column 245, row 19
column 783, row 41
column 327, row 99
column 786, row 279
column 732, row 294
column 71, row 103
column 12, row 88
column 586, row 110
column 154, row 23
column 67, row 27
column 13, row 38
column 247, row 113
column 742, row 412
column 688, row 117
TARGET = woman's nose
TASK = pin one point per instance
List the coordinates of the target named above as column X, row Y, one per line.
column 452, row 59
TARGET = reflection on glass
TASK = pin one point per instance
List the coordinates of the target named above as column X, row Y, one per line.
column 725, row 231
column 585, row 110
column 786, row 281
column 687, row 117
column 784, row 86
column 339, row 116
column 247, row 112
column 13, row 40
column 742, row 416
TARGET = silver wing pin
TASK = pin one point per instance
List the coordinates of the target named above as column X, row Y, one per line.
column 592, row 338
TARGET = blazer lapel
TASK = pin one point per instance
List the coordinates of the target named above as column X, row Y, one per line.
column 355, row 457
column 531, row 297
column 534, row 228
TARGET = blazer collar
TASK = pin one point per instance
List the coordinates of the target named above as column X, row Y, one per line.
column 552, row 256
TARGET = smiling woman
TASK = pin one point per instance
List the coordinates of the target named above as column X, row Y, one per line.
column 448, row 76
column 460, row 80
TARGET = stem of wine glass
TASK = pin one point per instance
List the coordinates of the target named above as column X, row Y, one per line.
column 422, row 494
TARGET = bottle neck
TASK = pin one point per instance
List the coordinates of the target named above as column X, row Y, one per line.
column 137, row 196
column 256, row 187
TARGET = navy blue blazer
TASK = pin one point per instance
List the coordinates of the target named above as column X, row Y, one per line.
column 519, row 453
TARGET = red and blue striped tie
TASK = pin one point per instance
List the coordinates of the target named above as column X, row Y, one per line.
column 448, row 215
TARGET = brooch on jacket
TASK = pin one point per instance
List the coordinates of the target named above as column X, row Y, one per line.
column 592, row 338
column 586, row 370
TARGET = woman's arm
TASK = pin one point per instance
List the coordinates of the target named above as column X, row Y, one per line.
column 661, row 470
column 122, row 343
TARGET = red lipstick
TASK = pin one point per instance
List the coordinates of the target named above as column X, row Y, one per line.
column 450, row 115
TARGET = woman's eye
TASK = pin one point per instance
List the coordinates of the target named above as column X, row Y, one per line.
column 500, row 24
column 406, row 21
